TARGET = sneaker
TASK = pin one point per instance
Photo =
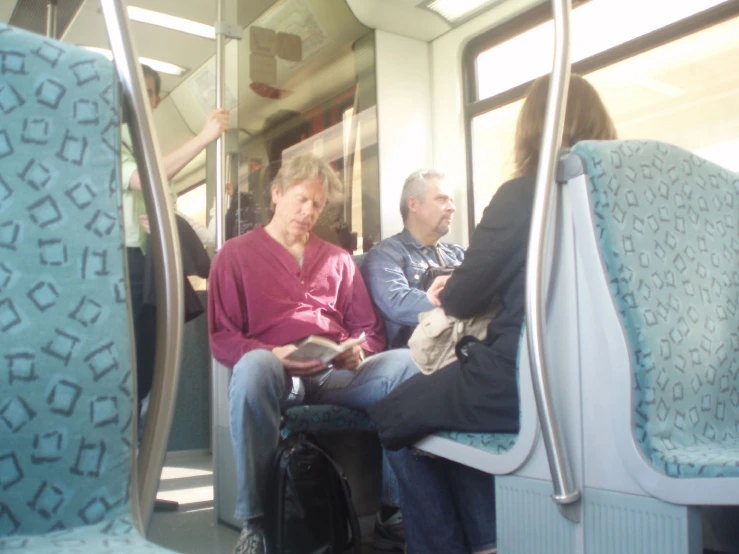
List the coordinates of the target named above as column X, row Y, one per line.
column 251, row 541
column 389, row 535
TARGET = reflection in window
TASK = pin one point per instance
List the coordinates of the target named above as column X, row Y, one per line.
column 681, row 93
column 324, row 107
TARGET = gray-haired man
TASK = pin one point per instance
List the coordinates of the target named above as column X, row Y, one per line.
column 394, row 267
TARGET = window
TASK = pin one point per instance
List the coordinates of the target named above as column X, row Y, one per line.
column 192, row 204
column 681, row 90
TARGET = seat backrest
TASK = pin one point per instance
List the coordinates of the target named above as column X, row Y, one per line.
column 666, row 224
column 66, row 398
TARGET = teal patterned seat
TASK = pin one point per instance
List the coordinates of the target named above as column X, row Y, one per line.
column 67, row 395
column 666, row 224
column 324, row 419
column 495, row 443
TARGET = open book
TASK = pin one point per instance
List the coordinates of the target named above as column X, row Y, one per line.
column 319, row 348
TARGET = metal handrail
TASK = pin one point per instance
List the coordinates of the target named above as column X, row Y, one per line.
column 565, row 491
column 51, row 11
column 165, row 246
column 221, row 142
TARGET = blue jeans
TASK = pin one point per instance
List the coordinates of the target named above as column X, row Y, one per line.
column 260, row 390
column 447, row 507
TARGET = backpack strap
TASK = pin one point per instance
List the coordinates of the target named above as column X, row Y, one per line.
column 356, row 542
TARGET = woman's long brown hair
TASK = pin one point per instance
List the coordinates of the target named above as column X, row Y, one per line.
column 586, row 118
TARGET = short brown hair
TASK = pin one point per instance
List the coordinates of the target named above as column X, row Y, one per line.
column 586, row 118
column 307, row 166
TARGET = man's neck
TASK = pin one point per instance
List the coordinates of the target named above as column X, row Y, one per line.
column 427, row 238
column 288, row 240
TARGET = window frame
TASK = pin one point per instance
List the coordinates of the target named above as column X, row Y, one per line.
column 542, row 13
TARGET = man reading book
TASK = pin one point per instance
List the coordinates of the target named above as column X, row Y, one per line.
column 270, row 289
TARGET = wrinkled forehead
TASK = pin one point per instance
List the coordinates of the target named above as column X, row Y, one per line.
column 312, row 187
column 438, row 187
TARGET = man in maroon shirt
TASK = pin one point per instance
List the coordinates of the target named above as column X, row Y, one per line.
column 270, row 288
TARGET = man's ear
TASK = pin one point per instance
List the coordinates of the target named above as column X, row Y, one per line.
column 413, row 204
column 157, row 101
column 276, row 195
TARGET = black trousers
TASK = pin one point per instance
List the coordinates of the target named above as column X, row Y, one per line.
column 144, row 323
column 477, row 395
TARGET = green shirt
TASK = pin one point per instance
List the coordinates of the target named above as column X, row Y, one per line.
column 133, row 200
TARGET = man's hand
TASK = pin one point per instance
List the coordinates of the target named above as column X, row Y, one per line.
column 144, row 221
column 218, row 122
column 350, row 359
column 435, row 289
column 295, row 368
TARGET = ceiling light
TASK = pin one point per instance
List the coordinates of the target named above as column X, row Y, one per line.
column 171, row 22
column 156, row 65
column 454, row 11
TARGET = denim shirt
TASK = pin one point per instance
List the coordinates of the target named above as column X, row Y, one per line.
column 392, row 270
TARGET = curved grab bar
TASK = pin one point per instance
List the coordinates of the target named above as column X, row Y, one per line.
column 565, row 492
column 165, row 245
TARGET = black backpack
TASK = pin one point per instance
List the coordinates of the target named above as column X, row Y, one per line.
column 309, row 507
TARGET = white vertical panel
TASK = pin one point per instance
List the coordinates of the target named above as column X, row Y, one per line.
column 404, row 119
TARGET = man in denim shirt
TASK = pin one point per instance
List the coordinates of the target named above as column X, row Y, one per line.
column 393, row 268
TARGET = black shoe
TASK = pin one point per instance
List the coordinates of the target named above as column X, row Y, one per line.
column 389, row 535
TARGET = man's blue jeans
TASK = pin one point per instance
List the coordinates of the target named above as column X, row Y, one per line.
column 447, row 507
column 260, row 390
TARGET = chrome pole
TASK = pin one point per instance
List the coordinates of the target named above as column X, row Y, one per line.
column 51, row 19
column 221, row 142
column 169, row 275
column 565, row 491
column 219, row 381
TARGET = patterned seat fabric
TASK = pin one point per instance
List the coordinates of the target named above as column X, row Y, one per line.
column 667, row 228
column 324, row 419
column 495, row 443
column 66, row 398
column 109, row 537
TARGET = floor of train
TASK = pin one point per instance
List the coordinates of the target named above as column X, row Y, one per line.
column 187, row 478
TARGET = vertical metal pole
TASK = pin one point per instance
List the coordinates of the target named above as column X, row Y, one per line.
column 221, row 142
column 565, row 491
column 168, row 263
column 218, row 381
column 51, row 19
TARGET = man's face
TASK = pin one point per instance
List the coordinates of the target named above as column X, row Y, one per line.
column 297, row 209
column 434, row 213
column 151, row 92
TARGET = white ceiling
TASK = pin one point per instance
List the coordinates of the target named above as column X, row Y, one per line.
column 188, row 51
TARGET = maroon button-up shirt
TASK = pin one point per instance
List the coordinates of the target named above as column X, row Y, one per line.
column 259, row 297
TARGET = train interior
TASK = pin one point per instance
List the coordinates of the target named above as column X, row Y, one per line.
column 380, row 88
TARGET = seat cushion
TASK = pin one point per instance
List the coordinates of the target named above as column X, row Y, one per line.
column 112, row 537
column 495, row 443
column 324, row 419
column 708, row 459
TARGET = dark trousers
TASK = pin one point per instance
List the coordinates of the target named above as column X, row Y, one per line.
column 448, row 508
column 144, row 323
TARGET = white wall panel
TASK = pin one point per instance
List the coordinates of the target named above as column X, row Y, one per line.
column 404, row 118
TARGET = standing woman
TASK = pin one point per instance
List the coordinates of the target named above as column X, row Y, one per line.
column 479, row 393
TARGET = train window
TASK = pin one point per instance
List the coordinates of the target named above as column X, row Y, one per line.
column 528, row 55
column 678, row 89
